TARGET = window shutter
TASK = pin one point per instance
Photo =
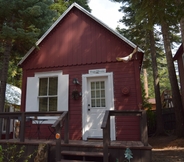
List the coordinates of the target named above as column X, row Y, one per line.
column 63, row 85
column 32, row 94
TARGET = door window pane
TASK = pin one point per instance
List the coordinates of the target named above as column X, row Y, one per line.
column 102, row 85
column 93, row 94
column 98, row 94
column 92, row 85
column 93, row 103
column 102, row 93
column 97, row 85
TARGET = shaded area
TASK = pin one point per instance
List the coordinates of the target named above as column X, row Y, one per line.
column 167, row 149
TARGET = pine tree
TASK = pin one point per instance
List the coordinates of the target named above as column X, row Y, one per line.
column 143, row 34
column 163, row 13
column 21, row 24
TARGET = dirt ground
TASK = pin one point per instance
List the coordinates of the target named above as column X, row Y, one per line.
column 167, row 149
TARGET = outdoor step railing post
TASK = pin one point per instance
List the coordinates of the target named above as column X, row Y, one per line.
column 22, row 127
column 66, row 129
column 7, row 127
column 58, row 143
column 144, row 131
column 106, row 136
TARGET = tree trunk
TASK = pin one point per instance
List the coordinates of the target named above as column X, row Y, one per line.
column 182, row 30
column 160, row 125
column 176, row 97
column 4, row 77
column 179, row 3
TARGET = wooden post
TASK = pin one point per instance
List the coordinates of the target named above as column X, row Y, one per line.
column 7, row 127
column 22, row 127
column 58, row 144
column 106, row 136
column 66, row 129
column 144, row 131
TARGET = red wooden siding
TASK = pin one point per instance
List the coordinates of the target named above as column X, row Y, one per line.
column 77, row 40
column 123, row 76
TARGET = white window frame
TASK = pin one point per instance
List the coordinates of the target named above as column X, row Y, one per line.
column 32, row 103
column 47, row 95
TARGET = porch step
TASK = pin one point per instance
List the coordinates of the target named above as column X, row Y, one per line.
column 95, row 138
column 81, row 155
column 74, row 161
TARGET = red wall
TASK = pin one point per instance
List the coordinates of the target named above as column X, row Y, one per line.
column 123, row 76
column 78, row 44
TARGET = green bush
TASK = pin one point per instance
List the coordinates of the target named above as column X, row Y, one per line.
column 12, row 153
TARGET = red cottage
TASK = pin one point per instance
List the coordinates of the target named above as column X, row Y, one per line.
column 76, row 69
column 179, row 56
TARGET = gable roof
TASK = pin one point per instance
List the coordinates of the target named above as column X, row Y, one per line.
column 88, row 14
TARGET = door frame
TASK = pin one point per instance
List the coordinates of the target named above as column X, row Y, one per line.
column 84, row 102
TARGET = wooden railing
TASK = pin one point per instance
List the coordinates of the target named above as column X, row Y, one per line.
column 106, row 127
column 23, row 115
column 58, row 125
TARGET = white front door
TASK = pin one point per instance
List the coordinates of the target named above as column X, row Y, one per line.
column 97, row 104
column 97, row 99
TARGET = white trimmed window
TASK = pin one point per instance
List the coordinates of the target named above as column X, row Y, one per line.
column 47, row 96
column 47, row 91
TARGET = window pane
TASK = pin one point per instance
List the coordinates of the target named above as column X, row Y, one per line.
column 43, row 86
column 92, row 94
column 102, row 85
column 97, row 85
column 98, row 94
column 103, row 102
column 92, row 85
column 98, row 103
column 53, row 83
column 102, row 93
column 53, row 104
column 43, row 104
column 92, row 103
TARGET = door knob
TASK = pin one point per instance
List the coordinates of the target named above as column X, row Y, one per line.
column 88, row 109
